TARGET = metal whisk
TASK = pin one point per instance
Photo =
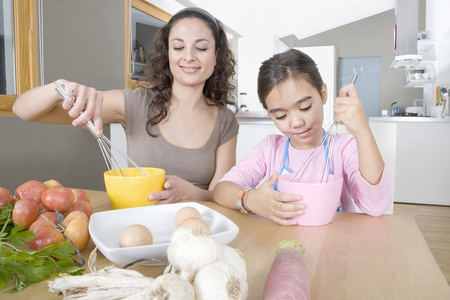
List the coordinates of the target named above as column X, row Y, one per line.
column 105, row 145
column 328, row 139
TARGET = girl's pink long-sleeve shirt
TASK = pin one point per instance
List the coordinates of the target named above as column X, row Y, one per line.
column 267, row 157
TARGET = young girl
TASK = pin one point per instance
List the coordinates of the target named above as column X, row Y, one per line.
column 291, row 89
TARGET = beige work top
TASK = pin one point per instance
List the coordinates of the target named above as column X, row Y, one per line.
column 354, row 257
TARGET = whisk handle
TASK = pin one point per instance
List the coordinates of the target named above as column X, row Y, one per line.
column 89, row 125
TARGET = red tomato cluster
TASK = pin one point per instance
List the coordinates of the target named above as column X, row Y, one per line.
column 36, row 208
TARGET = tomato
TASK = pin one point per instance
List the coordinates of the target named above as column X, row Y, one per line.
column 25, row 212
column 80, row 195
column 32, row 190
column 46, row 236
column 78, row 232
column 58, row 198
column 76, row 214
column 6, row 197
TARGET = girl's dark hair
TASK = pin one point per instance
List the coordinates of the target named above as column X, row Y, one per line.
column 217, row 88
column 283, row 66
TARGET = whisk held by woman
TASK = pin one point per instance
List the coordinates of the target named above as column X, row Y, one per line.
column 291, row 89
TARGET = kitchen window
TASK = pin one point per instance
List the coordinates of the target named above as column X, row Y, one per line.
column 18, row 51
column 142, row 20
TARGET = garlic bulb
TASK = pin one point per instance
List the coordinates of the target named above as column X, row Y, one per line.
column 190, row 249
column 220, row 280
column 171, row 286
column 234, row 257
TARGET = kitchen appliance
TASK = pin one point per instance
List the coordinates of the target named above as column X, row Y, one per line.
column 105, row 144
column 414, row 111
column 405, row 34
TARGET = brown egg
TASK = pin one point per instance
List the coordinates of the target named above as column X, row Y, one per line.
column 191, row 222
column 186, row 212
column 135, row 235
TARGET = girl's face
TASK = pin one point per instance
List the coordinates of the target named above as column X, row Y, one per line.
column 296, row 108
column 192, row 54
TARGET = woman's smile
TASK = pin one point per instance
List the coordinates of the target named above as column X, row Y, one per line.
column 189, row 69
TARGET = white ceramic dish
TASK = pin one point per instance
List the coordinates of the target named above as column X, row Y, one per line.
column 105, row 229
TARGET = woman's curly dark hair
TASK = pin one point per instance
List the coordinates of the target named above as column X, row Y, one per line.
column 217, row 88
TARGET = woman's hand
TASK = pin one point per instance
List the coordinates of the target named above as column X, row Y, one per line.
column 270, row 204
column 174, row 190
column 349, row 111
column 83, row 104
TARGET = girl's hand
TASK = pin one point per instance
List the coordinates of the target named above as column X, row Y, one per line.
column 268, row 203
column 349, row 111
column 83, row 104
column 174, row 189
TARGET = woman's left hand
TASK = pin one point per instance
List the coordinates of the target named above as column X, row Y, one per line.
column 349, row 111
column 174, row 189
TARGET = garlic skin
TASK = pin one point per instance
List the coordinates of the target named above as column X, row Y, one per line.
column 171, row 286
column 220, row 280
column 235, row 258
column 190, row 249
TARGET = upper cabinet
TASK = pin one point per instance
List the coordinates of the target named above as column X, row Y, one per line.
column 142, row 21
column 18, row 51
column 252, row 51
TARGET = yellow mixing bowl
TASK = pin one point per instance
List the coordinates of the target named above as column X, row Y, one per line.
column 134, row 189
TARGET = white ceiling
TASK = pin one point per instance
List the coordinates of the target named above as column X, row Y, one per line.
column 280, row 18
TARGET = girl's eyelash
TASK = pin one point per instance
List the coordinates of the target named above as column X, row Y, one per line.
column 280, row 118
column 178, row 48
column 306, row 108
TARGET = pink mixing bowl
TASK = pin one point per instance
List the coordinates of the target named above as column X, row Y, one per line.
column 321, row 199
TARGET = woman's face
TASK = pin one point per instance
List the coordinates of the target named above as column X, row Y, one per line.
column 296, row 108
column 192, row 54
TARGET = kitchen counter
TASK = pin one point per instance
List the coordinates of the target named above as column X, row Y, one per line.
column 410, row 119
column 354, row 257
column 253, row 115
column 415, row 150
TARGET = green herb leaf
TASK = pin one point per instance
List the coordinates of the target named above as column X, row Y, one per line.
column 28, row 266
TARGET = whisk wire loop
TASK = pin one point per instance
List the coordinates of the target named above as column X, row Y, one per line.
column 105, row 145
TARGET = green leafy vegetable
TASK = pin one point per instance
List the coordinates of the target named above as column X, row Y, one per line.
column 29, row 266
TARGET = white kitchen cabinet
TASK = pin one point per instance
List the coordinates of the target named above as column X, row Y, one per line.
column 252, row 51
column 251, row 132
column 415, row 151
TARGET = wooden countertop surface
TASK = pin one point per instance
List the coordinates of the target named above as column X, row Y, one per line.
column 354, row 257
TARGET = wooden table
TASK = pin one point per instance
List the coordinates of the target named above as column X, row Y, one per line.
column 354, row 257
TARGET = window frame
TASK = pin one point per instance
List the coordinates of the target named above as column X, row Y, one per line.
column 150, row 10
column 26, row 52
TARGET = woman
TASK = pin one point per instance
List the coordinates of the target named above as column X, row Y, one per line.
column 177, row 120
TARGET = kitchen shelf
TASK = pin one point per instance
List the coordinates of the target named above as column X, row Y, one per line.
column 418, row 83
column 138, row 70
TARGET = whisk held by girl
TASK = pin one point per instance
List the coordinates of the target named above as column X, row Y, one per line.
column 291, row 89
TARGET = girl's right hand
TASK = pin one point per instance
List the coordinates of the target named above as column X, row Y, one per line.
column 273, row 205
column 83, row 104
